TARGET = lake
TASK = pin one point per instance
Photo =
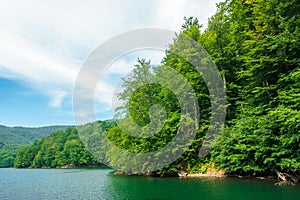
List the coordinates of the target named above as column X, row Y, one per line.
column 102, row 184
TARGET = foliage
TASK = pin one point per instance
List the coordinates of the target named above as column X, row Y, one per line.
column 58, row 149
column 24, row 135
column 264, row 136
column 7, row 154
column 255, row 45
column 13, row 138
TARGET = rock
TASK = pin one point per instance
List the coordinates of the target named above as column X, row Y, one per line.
column 182, row 173
column 67, row 166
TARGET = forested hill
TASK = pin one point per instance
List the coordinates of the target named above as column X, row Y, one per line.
column 24, row 135
column 13, row 138
column 59, row 149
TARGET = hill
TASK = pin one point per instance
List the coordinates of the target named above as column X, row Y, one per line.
column 25, row 135
column 59, row 149
column 13, row 138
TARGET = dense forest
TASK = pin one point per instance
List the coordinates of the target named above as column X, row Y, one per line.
column 255, row 46
column 59, row 149
column 13, row 138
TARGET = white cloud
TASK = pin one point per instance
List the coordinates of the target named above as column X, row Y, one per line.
column 44, row 43
column 170, row 13
column 33, row 62
column 57, row 98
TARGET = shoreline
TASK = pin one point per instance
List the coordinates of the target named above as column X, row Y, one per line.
column 194, row 175
column 210, row 174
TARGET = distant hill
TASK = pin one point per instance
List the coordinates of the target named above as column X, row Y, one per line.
column 13, row 138
column 23, row 135
column 63, row 148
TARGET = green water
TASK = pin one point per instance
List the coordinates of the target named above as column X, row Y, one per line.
column 101, row 184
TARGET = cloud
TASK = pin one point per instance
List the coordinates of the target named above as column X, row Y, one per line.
column 44, row 43
column 171, row 14
column 57, row 98
column 33, row 62
column 25, row 61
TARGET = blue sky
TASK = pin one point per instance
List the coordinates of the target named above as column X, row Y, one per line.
column 44, row 43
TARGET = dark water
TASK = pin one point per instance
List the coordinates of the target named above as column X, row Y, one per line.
column 101, row 184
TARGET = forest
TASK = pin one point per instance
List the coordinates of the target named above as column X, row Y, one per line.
column 13, row 138
column 62, row 148
column 255, row 46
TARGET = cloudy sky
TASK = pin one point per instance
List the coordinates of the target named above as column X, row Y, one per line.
column 43, row 45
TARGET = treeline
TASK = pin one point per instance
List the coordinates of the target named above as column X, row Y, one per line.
column 8, row 154
column 13, row 138
column 255, row 45
column 58, row 149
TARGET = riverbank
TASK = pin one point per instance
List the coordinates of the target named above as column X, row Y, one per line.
column 280, row 180
column 214, row 173
column 210, row 173
column 69, row 166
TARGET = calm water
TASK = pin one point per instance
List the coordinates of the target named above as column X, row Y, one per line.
column 101, row 184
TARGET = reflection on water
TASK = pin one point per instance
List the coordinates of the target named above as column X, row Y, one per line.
column 101, row 184
column 129, row 187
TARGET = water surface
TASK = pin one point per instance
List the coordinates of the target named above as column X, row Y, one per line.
column 101, row 184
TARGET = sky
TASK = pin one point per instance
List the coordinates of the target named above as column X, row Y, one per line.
column 43, row 45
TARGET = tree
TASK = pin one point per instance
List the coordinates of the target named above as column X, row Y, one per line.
column 58, row 149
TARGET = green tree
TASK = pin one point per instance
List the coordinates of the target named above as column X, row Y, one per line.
column 58, row 149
